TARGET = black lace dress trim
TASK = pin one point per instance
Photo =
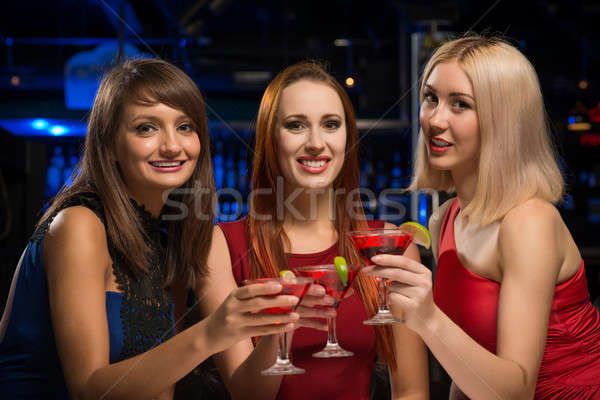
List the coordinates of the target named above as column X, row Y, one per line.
column 146, row 307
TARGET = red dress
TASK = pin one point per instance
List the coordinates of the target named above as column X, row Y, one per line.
column 570, row 367
column 325, row 378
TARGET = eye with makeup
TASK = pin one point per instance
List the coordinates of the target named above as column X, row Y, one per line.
column 294, row 125
column 145, row 129
column 186, row 128
column 332, row 124
column 460, row 104
column 429, row 97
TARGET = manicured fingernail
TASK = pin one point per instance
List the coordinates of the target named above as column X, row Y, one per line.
column 293, row 300
column 375, row 259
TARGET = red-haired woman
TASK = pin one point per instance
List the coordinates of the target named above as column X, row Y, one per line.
column 90, row 313
column 304, row 182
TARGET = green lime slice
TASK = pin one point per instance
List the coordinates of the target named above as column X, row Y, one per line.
column 342, row 269
column 287, row 276
column 420, row 234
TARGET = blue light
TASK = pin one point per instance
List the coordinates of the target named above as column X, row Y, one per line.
column 39, row 124
column 571, row 120
column 58, row 130
column 423, row 209
column 9, row 41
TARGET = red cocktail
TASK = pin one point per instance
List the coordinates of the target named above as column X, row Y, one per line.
column 372, row 242
column 298, row 287
column 328, row 277
column 370, row 245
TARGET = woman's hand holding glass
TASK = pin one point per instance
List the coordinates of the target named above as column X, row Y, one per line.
column 410, row 293
column 311, row 316
column 239, row 316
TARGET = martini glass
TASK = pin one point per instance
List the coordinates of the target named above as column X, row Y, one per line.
column 297, row 287
column 328, row 277
column 371, row 242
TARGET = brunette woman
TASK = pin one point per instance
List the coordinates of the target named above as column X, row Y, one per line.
column 90, row 313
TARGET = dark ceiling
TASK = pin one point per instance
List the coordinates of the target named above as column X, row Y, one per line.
column 214, row 39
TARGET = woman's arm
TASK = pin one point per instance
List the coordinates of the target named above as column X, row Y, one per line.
column 411, row 378
column 531, row 256
column 241, row 364
column 76, row 261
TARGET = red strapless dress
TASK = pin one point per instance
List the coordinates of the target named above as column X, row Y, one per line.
column 325, row 378
column 570, row 367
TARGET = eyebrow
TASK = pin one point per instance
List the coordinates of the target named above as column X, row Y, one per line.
column 157, row 119
column 451, row 93
column 302, row 116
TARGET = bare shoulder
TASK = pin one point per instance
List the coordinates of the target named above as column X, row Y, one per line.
column 435, row 223
column 219, row 259
column 76, row 220
column 533, row 231
column 219, row 246
column 435, row 220
column 532, row 215
column 76, row 232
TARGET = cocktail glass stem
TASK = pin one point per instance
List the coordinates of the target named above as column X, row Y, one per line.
column 383, row 286
column 283, row 355
column 283, row 365
column 384, row 315
column 332, row 348
column 331, row 333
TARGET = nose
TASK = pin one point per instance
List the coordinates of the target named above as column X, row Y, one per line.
column 315, row 143
column 170, row 146
column 438, row 118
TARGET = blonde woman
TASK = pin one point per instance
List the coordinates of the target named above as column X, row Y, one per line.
column 509, row 315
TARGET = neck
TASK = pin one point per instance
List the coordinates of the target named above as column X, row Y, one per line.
column 465, row 183
column 308, row 208
column 153, row 204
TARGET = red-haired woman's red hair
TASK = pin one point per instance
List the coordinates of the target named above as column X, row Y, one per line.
column 267, row 235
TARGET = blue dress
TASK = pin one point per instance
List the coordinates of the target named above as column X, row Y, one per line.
column 139, row 318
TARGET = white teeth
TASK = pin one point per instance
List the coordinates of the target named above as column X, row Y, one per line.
column 440, row 143
column 166, row 164
column 313, row 164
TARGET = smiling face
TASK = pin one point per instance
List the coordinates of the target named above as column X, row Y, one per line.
column 157, row 149
column 449, row 120
column 310, row 135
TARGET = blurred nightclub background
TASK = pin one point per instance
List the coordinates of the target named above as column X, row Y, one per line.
column 52, row 54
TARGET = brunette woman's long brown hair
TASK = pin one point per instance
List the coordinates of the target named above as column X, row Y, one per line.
column 147, row 81
column 267, row 236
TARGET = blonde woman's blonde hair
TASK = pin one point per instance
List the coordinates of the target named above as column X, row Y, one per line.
column 517, row 159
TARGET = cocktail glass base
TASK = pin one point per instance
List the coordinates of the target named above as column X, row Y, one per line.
column 332, row 350
column 283, row 367
column 383, row 317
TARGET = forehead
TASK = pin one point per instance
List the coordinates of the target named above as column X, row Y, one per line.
column 308, row 97
column 159, row 110
column 451, row 78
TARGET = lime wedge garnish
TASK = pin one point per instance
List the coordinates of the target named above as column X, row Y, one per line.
column 419, row 233
column 287, row 276
column 342, row 269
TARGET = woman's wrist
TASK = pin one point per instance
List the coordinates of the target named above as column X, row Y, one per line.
column 428, row 323
column 203, row 341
